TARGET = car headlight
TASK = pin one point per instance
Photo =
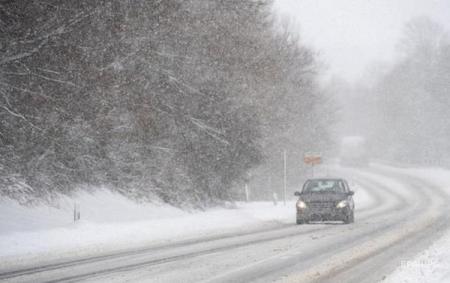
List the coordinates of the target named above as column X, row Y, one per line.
column 342, row 204
column 301, row 204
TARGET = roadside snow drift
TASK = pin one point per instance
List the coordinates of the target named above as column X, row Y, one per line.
column 431, row 266
column 109, row 222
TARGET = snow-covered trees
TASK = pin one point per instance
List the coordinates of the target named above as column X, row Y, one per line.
column 412, row 98
column 174, row 99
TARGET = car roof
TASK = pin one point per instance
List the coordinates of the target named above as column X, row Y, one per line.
column 325, row 179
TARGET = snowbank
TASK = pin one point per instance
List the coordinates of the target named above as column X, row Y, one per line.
column 111, row 222
column 431, row 266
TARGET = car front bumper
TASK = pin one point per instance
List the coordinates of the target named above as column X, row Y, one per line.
column 331, row 214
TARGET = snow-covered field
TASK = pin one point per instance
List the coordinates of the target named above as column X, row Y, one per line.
column 110, row 222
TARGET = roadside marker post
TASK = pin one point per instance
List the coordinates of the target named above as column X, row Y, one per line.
column 76, row 212
column 247, row 192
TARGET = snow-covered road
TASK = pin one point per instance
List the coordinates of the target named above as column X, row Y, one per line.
column 402, row 214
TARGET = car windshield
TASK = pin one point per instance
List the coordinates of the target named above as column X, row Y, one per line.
column 319, row 186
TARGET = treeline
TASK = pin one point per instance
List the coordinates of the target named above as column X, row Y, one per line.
column 172, row 99
column 407, row 107
column 413, row 98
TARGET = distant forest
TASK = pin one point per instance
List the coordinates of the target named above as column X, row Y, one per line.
column 180, row 100
column 403, row 107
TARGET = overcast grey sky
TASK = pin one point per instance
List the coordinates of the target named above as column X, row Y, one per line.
column 350, row 34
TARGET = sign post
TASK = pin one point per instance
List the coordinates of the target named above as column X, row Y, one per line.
column 284, row 177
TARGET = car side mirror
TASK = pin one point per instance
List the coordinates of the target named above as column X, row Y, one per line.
column 350, row 193
column 297, row 194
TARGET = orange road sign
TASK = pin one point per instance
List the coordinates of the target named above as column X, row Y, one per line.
column 312, row 159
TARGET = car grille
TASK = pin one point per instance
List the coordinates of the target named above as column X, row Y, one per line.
column 322, row 205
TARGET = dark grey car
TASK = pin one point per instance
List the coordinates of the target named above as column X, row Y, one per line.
column 325, row 200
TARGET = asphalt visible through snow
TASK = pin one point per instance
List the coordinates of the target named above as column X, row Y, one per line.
column 405, row 215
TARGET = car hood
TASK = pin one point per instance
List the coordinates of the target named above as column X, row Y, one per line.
column 319, row 197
